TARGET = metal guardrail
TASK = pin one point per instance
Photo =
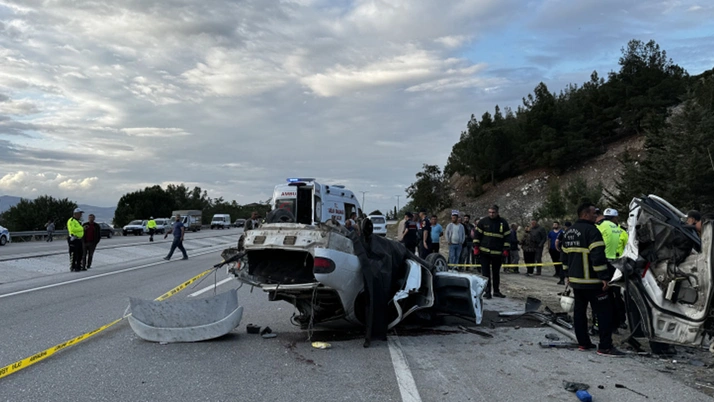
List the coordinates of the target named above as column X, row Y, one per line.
column 33, row 235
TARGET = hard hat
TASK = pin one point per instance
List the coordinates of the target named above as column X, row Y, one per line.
column 78, row 210
column 567, row 302
column 610, row 212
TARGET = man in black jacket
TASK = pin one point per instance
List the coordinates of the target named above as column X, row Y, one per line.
column 92, row 236
column 585, row 264
column 491, row 243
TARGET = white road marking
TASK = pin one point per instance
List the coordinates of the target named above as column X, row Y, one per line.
column 405, row 380
column 206, row 289
column 54, row 285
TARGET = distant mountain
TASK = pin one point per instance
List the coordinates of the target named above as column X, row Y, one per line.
column 103, row 214
column 8, row 201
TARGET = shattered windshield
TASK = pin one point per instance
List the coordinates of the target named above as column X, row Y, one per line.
column 377, row 219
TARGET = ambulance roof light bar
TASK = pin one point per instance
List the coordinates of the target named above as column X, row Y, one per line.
column 299, row 179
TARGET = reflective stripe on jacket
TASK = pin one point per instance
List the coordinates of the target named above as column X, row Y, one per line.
column 491, row 235
column 74, row 228
column 583, row 256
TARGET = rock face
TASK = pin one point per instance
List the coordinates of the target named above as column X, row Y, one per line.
column 519, row 197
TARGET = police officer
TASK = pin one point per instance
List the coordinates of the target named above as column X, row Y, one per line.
column 585, row 264
column 491, row 244
column 151, row 225
column 74, row 240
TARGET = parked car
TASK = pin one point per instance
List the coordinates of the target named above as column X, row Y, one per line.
column 106, row 230
column 4, row 236
column 135, row 227
column 379, row 222
column 239, row 223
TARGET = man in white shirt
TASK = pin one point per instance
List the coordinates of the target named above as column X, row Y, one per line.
column 455, row 237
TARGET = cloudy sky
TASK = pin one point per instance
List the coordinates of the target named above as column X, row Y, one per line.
column 105, row 97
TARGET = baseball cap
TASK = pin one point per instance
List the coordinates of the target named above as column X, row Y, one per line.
column 78, row 210
column 610, row 212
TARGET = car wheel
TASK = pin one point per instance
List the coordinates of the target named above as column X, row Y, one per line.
column 110, row 234
column 438, row 262
column 124, row 233
column 3, row 240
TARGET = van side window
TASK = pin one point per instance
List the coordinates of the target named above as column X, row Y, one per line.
column 349, row 208
column 318, row 210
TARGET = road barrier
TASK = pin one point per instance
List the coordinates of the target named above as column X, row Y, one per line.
column 37, row 357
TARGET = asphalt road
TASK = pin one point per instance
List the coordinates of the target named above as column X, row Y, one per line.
column 439, row 364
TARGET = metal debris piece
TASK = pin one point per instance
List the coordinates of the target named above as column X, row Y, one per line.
column 574, row 386
column 321, row 345
column 631, row 390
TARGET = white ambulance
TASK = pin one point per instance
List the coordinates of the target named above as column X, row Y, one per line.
column 311, row 202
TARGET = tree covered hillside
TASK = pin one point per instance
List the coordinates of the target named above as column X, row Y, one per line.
column 649, row 96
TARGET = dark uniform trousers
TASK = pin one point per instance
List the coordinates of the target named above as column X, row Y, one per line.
column 601, row 303
column 76, row 252
column 491, row 269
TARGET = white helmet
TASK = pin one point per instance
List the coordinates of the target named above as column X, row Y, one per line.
column 567, row 302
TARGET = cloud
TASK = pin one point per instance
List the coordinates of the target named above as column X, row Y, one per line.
column 101, row 98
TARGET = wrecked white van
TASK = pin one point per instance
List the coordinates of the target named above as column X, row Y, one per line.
column 666, row 271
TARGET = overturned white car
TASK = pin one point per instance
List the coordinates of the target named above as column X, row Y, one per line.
column 666, row 271
column 305, row 256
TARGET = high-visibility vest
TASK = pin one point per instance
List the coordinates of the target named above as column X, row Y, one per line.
column 74, row 227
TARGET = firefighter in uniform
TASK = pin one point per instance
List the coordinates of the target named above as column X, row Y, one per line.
column 491, row 244
column 585, row 265
column 76, row 246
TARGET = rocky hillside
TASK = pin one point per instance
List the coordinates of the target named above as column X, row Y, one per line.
column 520, row 196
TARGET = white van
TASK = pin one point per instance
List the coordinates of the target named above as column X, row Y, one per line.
column 221, row 221
column 310, row 202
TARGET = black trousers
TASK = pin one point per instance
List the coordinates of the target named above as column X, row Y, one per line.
column 555, row 257
column 529, row 258
column 88, row 254
column 76, row 252
column 467, row 253
column 177, row 243
column 601, row 304
column 491, row 269
column 434, row 247
column 151, row 234
column 424, row 251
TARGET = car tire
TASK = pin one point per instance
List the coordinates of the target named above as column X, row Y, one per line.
column 438, row 262
column 123, row 233
column 3, row 240
column 110, row 234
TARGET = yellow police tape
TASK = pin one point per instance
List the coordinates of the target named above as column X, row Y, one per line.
column 542, row 264
column 29, row 361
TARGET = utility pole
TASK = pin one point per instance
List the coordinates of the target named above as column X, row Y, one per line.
column 398, row 203
column 363, row 192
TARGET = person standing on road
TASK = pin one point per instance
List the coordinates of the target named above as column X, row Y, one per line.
column 455, row 236
column 467, row 249
column 75, row 233
column 400, row 228
column 553, row 250
column 410, row 235
column 253, row 222
column 178, row 231
column 538, row 239
column 558, row 243
column 437, row 231
column 50, row 225
column 425, row 235
column 151, row 225
column 514, row 256
column 491, row 243
column 585, row 265
column 92, row 236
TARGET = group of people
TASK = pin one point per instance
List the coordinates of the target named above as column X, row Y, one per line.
column 83, row 239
